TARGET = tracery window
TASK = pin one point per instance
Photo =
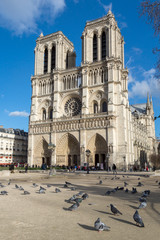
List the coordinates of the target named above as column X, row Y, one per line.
column 73, row 106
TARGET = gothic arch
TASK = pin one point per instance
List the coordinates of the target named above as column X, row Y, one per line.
column 96, row 96
column 41, row 151
column 98, row 147
column 68, row 147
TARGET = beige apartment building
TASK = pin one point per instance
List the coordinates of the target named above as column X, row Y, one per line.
column 75, row 109
column 13, row 146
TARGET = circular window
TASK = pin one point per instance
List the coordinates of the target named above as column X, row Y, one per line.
column 73, row 107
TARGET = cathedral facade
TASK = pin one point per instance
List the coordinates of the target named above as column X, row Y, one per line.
column 75, row 109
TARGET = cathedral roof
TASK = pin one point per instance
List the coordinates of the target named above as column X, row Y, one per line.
column 139, row 109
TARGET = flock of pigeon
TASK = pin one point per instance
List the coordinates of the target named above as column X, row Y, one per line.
column 77, row 199
column 100, row 226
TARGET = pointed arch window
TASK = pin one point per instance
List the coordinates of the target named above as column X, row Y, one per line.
column 104, row 107
column 45, row 60
column 103, row 44
column 67, row 61
column 44, row 114
column 53, row 58
column 95, row 47
column 51, row 114
column 95, row 107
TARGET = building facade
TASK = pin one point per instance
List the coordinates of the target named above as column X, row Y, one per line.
column 13, row 146
column 75, row 109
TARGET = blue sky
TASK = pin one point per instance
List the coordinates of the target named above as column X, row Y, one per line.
column 21, row 22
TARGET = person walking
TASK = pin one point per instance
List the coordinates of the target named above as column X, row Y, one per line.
column 114, row 169
column 26, row 168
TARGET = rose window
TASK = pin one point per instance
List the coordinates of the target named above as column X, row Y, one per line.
column 73, row 107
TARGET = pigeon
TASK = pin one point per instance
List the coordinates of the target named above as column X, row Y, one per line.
column 74, row 206
column 114, row 210
column 4, row 193
column 49, row 185
column 100, row 182
column 139, row 184
column 141, row 199
column 85, row 196
column 26, row 192
column 16, row 186
column 65, row 186
column 134, row 190
column 57, row 190
column 125, row 184
column 137, row 218
column 146, row 193
column 71, row 199
column 41, row 190
column 21, row 188
column 68, row 183
column 126, row 190
column 120, row 188
column 1, row 185
column 9, row 183
column 142, row 205
column 108, row 193
column 79, row 200
column 35, row 185
column 73, row 188
column 100, row 226
column 80, row 193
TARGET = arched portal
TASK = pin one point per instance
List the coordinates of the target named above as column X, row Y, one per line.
column 42, row 154
column 68, row 151
column 99, row 149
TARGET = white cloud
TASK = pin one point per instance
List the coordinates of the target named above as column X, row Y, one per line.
column 21, row 16
column 136, row 50
column 19, row 114
column 130, row 60
column 106, row 7
column 131, row 79
column 149, row 84
column 123, row 25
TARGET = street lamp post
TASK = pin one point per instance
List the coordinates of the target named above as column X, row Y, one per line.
column 124, row 157
column 88, row 154
column 52, row 146
column 107, row 156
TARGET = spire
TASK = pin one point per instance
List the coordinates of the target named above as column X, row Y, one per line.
column 148, row 103
column 110, row 14
column 41, row 35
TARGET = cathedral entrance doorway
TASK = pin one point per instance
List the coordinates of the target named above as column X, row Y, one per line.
column 98, row 147
column 68, row 151
column 97, row 160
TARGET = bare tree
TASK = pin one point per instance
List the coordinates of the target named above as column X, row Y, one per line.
column 151, row 9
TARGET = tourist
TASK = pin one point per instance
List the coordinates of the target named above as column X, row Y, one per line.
column 114, row 169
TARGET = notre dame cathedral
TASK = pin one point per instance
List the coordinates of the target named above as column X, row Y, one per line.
column 75, row 109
